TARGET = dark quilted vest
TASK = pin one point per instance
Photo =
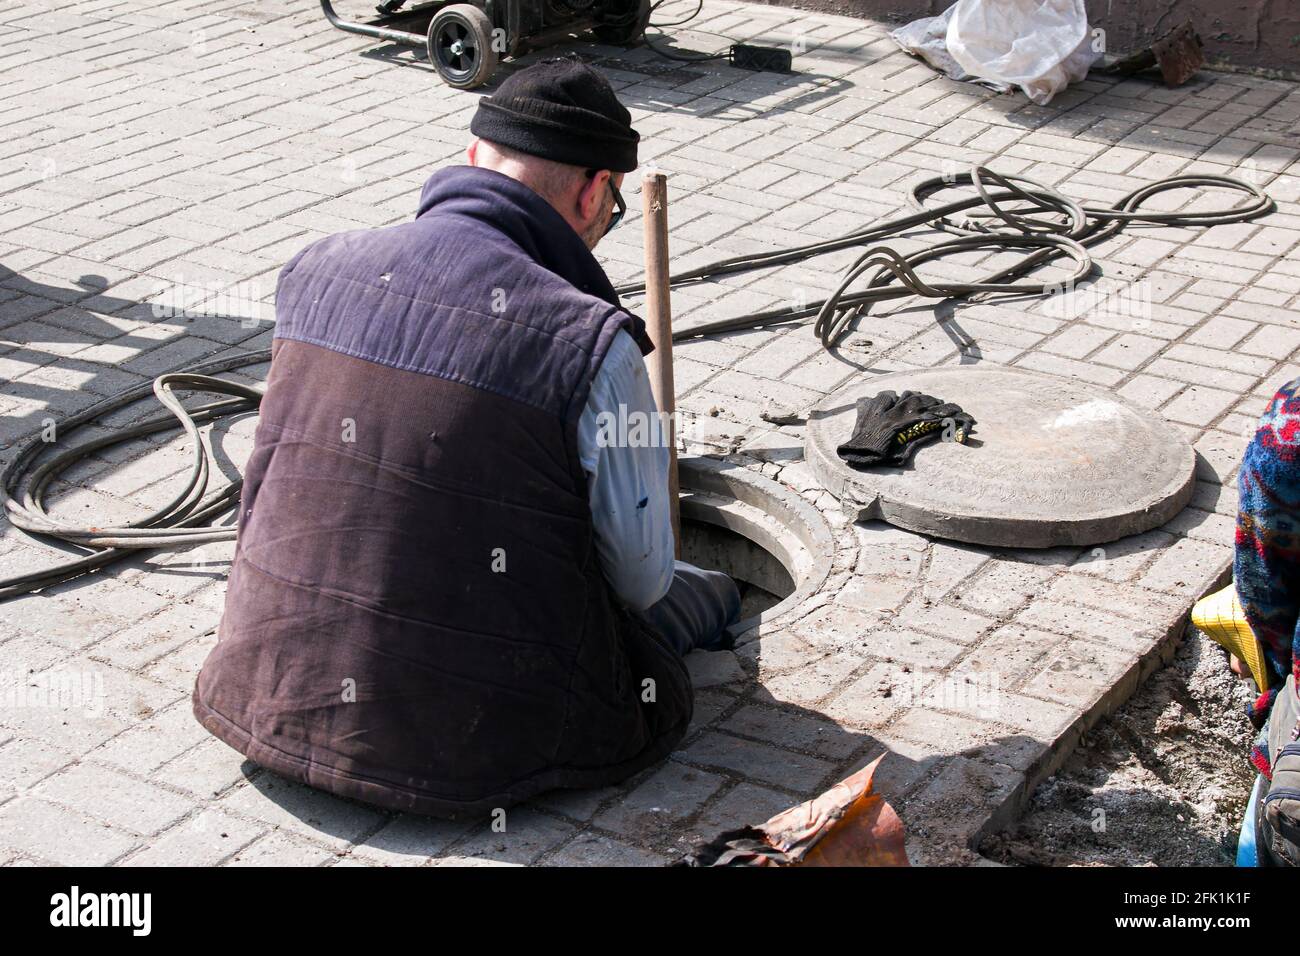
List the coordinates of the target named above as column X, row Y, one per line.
column 416, row 616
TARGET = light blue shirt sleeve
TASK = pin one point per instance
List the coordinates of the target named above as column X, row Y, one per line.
column 624, row 453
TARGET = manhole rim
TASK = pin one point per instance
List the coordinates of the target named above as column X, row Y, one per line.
column 775, row 510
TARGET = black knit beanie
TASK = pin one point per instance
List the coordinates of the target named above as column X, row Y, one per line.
column 561, row 110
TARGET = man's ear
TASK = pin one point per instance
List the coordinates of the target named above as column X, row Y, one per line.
column 471, row 153
column 592, row 196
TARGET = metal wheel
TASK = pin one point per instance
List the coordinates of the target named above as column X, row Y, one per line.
column 625, row 22
column 460, row 46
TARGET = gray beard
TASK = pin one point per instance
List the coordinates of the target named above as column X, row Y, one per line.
column 596, row 230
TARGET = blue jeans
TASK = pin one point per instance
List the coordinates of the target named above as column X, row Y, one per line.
column 697, row 610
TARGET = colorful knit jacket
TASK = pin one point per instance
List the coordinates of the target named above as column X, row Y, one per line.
column 1266, row 566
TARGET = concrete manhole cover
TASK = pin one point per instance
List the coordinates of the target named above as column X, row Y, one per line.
column 1051, row 462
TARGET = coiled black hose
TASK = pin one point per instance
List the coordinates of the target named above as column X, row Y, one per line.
column 1058, row 227
column 1045, row 223
column 182, row 522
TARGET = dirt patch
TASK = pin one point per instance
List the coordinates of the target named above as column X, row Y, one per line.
column 1163, row 781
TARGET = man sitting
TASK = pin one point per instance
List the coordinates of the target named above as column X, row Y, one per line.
column 450, row 592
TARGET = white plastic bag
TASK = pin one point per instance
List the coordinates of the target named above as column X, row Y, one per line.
column 928, row 39
column 1040, row 46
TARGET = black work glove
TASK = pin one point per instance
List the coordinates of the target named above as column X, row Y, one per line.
column 890, row 427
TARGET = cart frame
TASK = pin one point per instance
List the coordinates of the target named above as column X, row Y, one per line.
column 521, row 33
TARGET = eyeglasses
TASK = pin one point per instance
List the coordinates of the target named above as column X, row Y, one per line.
column 620, row 207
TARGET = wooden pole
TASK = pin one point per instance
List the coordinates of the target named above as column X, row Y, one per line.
column 659, row 325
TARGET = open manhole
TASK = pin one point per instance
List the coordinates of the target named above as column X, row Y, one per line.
column 764, row 582
column 776, row 546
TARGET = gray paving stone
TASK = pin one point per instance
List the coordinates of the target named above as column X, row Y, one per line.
column 792, row 731
column 410, row 840
column 592, row 849
column 952, row 623
column 664, row 798
column 527, row 835
column 1187, row 568
column 710, row 669
column 278, row 848
column 25, row 762
column 148, row 640
column 60, row 836
column 104, row 792
column 758, row 761
column 154, row 741
column 811, row 684
column 873, row 699
column 57, row 620
column 941, row 733
column 206, row 770
column 297, row 809
column 206, row 839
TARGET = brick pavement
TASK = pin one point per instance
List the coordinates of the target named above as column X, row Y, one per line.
column 153, row 149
